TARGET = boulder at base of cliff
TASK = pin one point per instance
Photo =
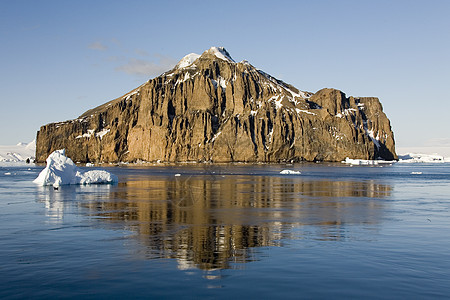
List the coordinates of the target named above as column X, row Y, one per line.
column 61, row 170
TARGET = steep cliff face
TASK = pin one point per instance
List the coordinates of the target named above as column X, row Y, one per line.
column 210, row 108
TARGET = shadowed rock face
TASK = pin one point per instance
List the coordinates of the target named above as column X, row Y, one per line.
column 210, row 108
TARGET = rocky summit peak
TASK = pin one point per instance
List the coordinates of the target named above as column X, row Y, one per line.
column 215, row 52
column 219, row 52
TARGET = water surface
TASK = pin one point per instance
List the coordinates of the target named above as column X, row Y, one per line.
column 219, row 231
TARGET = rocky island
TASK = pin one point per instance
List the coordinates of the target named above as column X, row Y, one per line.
column 209, row 108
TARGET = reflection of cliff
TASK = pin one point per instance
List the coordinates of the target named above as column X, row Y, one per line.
column 208, row 222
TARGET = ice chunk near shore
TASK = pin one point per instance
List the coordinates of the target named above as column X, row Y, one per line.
column 351, row 161
column 61, row 170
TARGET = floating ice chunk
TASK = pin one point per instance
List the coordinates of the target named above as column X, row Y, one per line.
column 416, row 173
column 61, row 170
column 365, row 161
column 290, row 172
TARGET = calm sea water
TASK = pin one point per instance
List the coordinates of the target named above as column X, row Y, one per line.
column 205, row 231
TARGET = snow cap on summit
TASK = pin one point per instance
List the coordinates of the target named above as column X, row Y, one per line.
column 221, row 53
column 187, row 60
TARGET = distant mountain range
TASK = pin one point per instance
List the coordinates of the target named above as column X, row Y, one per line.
column 18, row 153
column 209, row 108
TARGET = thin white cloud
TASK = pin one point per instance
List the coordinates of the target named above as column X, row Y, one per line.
column 141, row 67
column 97, row 46
column 141, row 52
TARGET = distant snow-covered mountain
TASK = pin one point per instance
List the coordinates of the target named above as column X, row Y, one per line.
column 18, row 153
column 422, row 158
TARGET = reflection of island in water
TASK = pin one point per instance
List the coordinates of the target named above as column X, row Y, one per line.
column 208, row 222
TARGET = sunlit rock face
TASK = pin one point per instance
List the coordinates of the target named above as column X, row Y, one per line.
column 211, row 108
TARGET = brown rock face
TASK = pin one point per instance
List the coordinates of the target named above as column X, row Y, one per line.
column 210, row 108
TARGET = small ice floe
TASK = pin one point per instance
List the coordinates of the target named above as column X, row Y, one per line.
column 416, row 173
column 177, row 175
column 89, row 164
column 61, row 170
column 8, row 173
column 351, row 161
column 290, row 172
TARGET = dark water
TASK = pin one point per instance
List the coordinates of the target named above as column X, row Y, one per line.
column 334, row 231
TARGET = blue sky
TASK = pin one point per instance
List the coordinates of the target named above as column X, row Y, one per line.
column 61, row 58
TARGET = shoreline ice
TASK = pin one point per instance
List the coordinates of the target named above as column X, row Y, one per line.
column 404, row 158
column 352, row 161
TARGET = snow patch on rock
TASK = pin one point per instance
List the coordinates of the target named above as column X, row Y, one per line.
column 220, row 53
column 187, row 60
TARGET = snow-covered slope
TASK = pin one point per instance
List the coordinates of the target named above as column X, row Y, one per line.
column 187, row 60
column 18, row 153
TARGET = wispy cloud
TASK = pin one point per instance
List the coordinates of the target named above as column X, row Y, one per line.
column 137, row 62
column 141, row 67
column 98, row 46
column 141, row 52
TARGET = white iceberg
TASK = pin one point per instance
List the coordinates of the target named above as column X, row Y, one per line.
column 61, row 170
column 290, row 172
